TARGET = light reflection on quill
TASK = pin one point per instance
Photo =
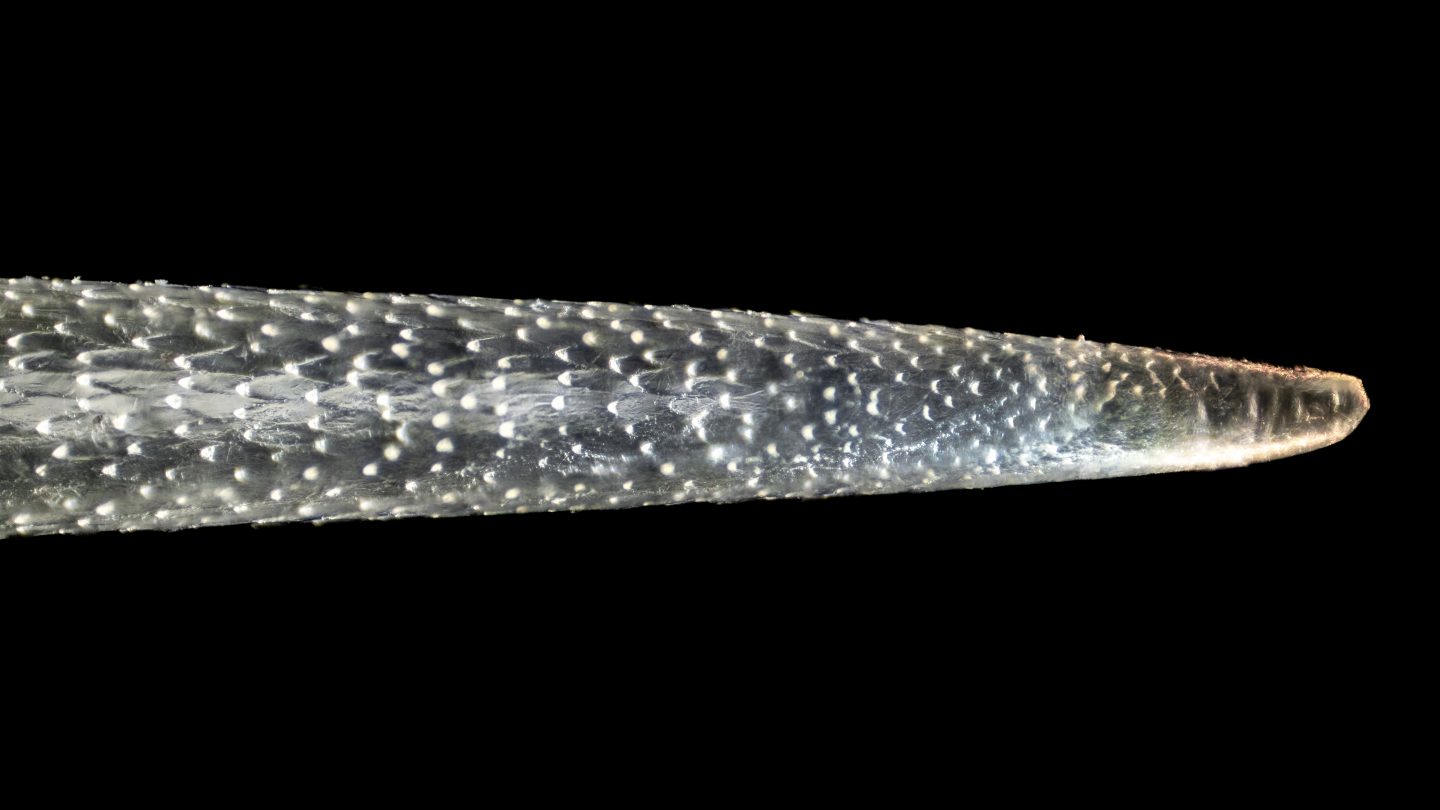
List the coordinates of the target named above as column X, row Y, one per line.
column 156, row 406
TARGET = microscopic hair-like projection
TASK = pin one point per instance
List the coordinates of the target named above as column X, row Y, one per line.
column 156, row 406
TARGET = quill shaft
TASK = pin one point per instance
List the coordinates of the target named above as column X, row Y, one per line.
column 128, row 406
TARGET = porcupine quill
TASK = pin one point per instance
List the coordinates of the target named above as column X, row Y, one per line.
column 157, row 406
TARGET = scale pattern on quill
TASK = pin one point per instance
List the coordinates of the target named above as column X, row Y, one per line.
column 157, row 406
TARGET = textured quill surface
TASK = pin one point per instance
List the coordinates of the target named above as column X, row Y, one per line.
column 160, row 406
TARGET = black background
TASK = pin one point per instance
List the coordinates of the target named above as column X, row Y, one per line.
column 1240, row 201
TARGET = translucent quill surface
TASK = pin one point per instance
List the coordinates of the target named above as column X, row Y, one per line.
column 159, row 406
